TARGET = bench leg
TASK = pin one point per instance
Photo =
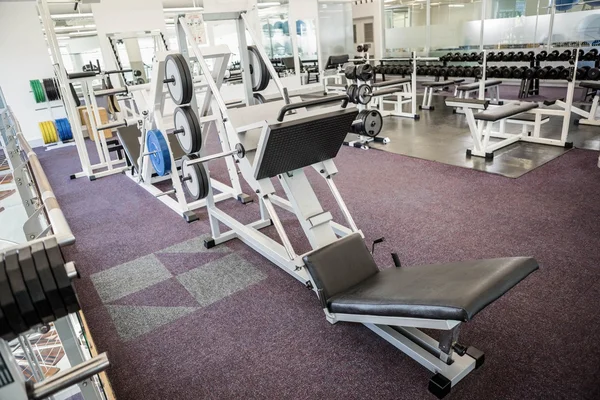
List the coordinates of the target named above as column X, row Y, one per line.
column 430, row 98
column 475, row 132
column 488, row 133
column 537, row 125
column 424, row 103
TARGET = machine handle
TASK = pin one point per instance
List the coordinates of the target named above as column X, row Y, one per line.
column 316, row 102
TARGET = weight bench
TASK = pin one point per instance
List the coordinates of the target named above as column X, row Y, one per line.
column 589, row 117
column 396, row 302
column 400, row 92
column 481, row 122
column 429, row 88
column 492, row 86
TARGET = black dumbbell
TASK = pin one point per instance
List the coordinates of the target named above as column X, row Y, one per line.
column 420, row 70
column 541, row 56
column 565, row 73
column 500, row 56
column 459, row 71
column 542, row 72
column 554, row 73
column 529, row 56
column 497, row 73
column 565, row 55
column 530, row 72
column 468, row 72
column 520, row 56
column 444, row 71
column 591, row 55
column 581, row 73
column 491, row 56
column 474, row 56
column 477, row 72
column 447, row 57
column 593, row 74
column 581, row 54
column 451, row 71
column 510, row 56
column 394, row 71
column 465, row 57
column 508, row 71
column 518, row 73
column 456, row 57
column 553, row 56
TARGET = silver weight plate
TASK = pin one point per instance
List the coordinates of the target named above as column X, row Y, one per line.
column 364, row 94
column 195, row 178
column 372, row 123
column 180, row 89
column 190, row 139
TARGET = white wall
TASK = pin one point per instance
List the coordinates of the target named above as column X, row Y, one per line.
column 363, row 12
column 24, row 57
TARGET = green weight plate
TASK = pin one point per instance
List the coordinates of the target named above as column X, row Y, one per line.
column 9, row 304
column 34, row 286
column 20, row 293
column 57, row 264
column 42, row 267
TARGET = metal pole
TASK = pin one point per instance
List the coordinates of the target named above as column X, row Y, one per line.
column 551, row 27
column 481, row 31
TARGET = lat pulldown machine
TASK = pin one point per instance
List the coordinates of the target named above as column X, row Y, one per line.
column 282, row 138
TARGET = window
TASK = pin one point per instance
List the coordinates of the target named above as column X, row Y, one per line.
column 369, row 36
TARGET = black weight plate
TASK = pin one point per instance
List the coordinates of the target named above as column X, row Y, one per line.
column 260, row 80
column 181, row 90
column 197, row 184
column 364, row 94
column 57, row 264
column 9, row 304
column 42, row 267
column 259, row 98
column 373, row 123
column 20, row 293
column 359, row 123
column 190, row 139
column 36, row 293
column 5, row 329
column 56, row 87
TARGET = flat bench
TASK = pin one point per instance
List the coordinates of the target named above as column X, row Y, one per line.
column 590, row 84
column 475, row 85
column 505, row 111
column 391, row 83
column 493, row 85
column 428, row 93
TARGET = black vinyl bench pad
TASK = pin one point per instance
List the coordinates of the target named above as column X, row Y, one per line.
column 475, row 85
column 441, row 83
column 349, row 282
column 590, row 84
column 466, row 102
column 505, row 111
column 391, row 83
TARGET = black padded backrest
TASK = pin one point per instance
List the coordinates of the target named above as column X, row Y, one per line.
column 334, row 61
column 340, row 265
column 302, row 142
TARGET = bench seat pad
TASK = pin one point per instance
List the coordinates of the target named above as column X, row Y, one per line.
column 505, row 111
column 475, row 85
column 453, row 291
column 590, row 84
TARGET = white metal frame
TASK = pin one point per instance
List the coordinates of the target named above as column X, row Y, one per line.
column 591, row 117
column 318, row 227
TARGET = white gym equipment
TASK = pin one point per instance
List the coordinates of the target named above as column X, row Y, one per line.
column 282, row 138
column 589, row 117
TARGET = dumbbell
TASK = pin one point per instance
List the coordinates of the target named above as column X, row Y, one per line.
column 459, row 71
column 581, row 73
column 500, row 56
column 565, row 55
column 491, row 56
column 554, row 73
column 529, row 56
column 496, row 72
column 394, row 71
column 541, row 56
column 530, row 72
column 593, row 74
column 350, row 72
column 591, row 55
column 520, row 56
column 510, row 56
column 553, row 56
column 517, row 73
column 465, row 57
column 444, row 71
column 477, row 72
column 447, row 57
column 565, row 73
column 581, row 54
column 542, row 72
column 508, row 71
column 377, row 69
column 474, row 56
column 468, row 72
column 451, row 71
column 387, row 70
column 456, row 57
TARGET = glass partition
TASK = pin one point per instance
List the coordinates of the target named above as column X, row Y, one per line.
column 335, row 30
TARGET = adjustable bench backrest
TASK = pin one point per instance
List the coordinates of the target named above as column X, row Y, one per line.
column 302, row 142
column 340, row 265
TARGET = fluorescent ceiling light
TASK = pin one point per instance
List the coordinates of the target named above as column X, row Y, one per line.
column 83, row 33
column 389, row 1
column 182, row 9
column 269, row 4
column 72, row 16
column 435, row 4
column 456, row 5
column 74, row 27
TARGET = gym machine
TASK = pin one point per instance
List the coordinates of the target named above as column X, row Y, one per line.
column 589, row 117
column 280, row 140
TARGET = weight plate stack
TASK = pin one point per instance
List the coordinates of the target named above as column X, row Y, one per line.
column 195, row 178
column 38, row 91
column 189, row 133
column 368, row 123
column 159, row 152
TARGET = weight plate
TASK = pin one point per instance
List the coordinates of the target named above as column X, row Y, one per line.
column 5, row 329
column 364, row 94
column 259, row 99
column 159, row 152
column 259, row 72
column 9, row 304
column 41, row 125
column 181, row 89
column 350, row 72
column 42, row 267
column 373, row 123
column 52, row 130
column 57, row 265
column 57, row 88
column 364, row 72
column 195, row 178
column 190, row 139
column 34, row 287
column 20, row 293
column 352, row 92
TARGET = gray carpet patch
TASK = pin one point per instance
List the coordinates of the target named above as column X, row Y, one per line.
column 220, row 278
column 195, row 245
column 134, row 321
column 128, row 278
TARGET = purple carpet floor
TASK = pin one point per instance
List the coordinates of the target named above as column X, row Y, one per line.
column 179, row 322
